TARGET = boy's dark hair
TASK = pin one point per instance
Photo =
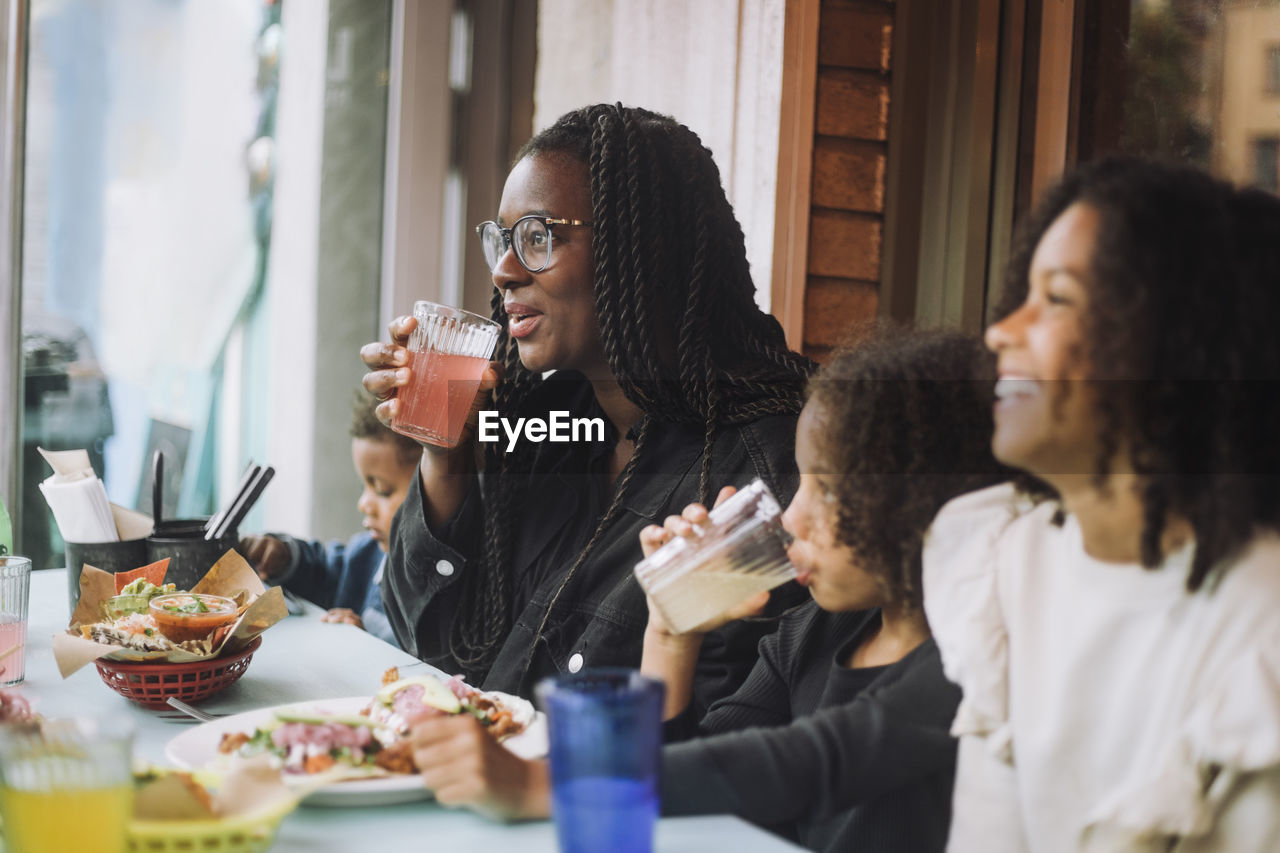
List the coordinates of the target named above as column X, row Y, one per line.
column 678, row 320
column 1183, row 296
column 365, row 424
column 906, row 427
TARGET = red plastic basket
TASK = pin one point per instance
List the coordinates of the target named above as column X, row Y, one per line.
column 151, row 684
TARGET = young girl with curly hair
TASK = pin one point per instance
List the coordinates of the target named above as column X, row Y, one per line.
column 892, row 430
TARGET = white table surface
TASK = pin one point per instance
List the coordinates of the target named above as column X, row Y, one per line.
column 301, row 659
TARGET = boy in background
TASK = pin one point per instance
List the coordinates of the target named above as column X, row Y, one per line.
column 347, row 578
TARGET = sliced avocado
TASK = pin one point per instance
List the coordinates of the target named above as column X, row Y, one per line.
column 313, row 719
column 435, row 693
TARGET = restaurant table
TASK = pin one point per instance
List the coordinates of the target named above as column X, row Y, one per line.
column 302, row 658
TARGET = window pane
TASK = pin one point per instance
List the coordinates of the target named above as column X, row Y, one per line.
column 146, row 222
column 1203, row 85
column 1266, row 163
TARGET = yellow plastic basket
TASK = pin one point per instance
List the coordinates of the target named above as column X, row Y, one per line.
column 251, row 833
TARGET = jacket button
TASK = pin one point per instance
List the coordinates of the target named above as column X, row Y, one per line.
column 575, row 662
column 444, row 567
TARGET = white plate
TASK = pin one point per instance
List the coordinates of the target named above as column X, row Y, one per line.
column 198, row 747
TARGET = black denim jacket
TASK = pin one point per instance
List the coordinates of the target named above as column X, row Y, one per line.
column 600, row 617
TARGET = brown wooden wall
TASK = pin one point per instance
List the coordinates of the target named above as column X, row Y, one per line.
column 851, row 126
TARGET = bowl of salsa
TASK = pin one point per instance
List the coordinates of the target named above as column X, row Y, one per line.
column 183, row 616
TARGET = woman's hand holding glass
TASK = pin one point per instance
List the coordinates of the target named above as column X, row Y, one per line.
column 389, row 372
column 446, row 473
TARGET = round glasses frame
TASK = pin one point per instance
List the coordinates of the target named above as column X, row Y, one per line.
column 485, row 230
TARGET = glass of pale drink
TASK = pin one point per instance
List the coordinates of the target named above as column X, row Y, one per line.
column 741, row 551
column 66, row 785
column 448, row 353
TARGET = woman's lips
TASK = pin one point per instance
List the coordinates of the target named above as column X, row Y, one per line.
column 521, row 326
column 1016, row 386
column 1013, row 389
column 521, row 319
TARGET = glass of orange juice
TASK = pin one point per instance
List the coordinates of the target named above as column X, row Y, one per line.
column 448, row 353
column 66, row 785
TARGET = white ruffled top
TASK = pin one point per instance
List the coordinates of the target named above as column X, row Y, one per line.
column 1105, row 708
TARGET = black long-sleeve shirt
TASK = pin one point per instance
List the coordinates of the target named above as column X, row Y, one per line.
column 599, row 619
column 839, row 759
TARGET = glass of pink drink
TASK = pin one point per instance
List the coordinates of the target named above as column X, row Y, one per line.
column 448, row 352
column 15, row 583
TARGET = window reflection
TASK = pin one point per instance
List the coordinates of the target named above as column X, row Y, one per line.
column 146, row 223
column 1203, row 85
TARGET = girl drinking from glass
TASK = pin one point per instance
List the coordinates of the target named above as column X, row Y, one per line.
column 1112, row 619
column 892, row 430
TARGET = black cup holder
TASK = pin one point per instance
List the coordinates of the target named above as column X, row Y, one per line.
column 190, row 554
column 109, row 556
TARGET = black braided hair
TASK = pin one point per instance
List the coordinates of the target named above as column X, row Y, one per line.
column 1185, row 285
column 678, row 322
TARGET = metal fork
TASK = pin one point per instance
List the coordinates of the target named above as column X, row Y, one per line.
column 194, row 713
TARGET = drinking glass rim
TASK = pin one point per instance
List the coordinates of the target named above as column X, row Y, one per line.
column 630, row 680
column 93, row 734
column 77, row 727
column 425, row 308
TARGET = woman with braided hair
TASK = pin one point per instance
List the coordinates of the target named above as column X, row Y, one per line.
column 618, row 264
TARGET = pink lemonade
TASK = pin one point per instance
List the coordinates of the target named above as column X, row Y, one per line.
column 13, row 634
column 435, row 406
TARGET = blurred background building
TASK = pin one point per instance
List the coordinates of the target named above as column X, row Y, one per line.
column 206, row 208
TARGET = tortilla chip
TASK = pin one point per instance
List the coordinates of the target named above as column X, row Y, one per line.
column 171, row 795
column 154, row 574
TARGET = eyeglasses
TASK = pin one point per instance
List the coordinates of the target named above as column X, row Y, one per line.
column 530, row 236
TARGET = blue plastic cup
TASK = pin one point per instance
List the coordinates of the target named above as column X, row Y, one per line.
column 606, row 744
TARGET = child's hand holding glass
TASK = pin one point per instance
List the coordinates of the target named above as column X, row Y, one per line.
column 671, row 655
